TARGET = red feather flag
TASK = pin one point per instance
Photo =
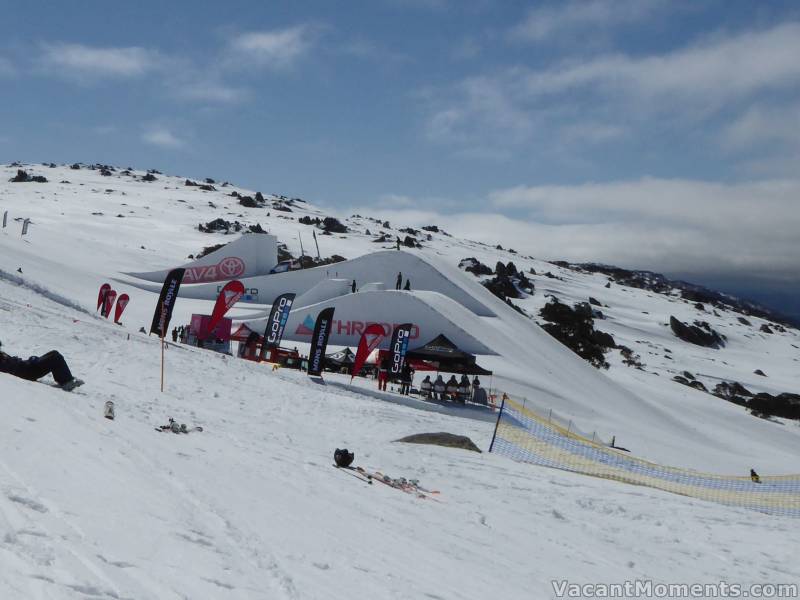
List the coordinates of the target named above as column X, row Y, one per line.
column 122, row 302
column 371, row 338
column 229, row 296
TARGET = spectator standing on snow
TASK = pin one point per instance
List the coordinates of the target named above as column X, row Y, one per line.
column 398, row 246
column 383, row 373
column 175, row 335
column 38, row 366
column 353, row 287
column 406, row 378
column 399, row 281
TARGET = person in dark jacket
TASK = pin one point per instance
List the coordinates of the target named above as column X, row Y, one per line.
column 175, row 335
column 398, row 283
column 353, row 287
column 38, row 366
column 406, row 378
column 754, row 476
column 407, row 286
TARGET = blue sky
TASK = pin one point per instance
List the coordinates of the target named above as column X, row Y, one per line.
column 646, row 133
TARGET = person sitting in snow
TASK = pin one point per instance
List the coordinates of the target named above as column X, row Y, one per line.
column 754, row 476
column 39, row 366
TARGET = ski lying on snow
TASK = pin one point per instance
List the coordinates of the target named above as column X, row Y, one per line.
column 354, row 473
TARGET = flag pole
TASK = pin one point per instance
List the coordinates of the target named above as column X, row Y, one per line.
column 162, row 362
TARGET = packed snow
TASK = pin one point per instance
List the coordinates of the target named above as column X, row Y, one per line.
column 252, row 508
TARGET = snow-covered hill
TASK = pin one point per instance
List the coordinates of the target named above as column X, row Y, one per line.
column 251, row 507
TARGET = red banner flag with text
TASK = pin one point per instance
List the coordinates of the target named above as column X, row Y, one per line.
column 101, row 296
column 111, row 295
column 229, row 296
column 122, row 302
column 371, row 338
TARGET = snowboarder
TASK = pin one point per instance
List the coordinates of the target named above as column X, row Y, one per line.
column 407, row 286
column 39, row 366
column 399, row 281
column 426, row 387
column 754, row 476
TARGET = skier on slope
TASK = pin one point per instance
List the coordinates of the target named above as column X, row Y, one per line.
column 39, row 366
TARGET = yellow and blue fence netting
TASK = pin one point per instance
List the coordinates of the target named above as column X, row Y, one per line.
column 526, row 437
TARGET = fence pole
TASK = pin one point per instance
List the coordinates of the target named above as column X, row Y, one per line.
column 497, row 423
column 569, row 427
column 549, row 415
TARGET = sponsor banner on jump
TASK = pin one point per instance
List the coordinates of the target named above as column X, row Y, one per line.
column 101, row 295
column 108, row 303
column 276, row 323
column 229, row 296
column 352, row 327
column 371, row 338
column 398, row 348
column 229, row 267
column 166, row 302
column 122, row 302
column 319, row 341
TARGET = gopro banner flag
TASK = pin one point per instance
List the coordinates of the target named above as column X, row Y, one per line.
column 122, row 302
column 166, row 302
column 230, row 295
column 398, row 348
column 371, row 338
column 101, row 296
column 319, row 341
column 108, row 303
column 276, row 323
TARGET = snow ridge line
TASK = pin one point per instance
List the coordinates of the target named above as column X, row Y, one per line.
column 40, row 289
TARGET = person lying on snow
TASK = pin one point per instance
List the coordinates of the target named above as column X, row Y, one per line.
column 39, row 366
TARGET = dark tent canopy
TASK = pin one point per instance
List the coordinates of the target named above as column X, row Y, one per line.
column 447, row 357
column 341, row 358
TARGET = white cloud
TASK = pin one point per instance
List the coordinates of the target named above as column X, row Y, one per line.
column 209, row 91
column 764, row 125
column 95, row 62
column 275, row 49
column 717, row 70
column 606, row 98
column 162, row 137
column 546, row 22
column 745, row 229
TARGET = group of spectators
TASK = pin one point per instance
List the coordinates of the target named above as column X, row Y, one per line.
column 453, row 390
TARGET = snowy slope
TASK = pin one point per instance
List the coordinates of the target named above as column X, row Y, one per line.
column 251, row 508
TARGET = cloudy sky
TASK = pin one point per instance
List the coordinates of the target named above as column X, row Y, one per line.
column 646, row 133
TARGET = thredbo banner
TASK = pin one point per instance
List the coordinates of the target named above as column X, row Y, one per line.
column 398, row 348
column 108, row 303
column 276, row 323
column 101, row 296
column 228, row 296
column 319, row 341
column 371, row 338
column 166, row 302
column 122, row 302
